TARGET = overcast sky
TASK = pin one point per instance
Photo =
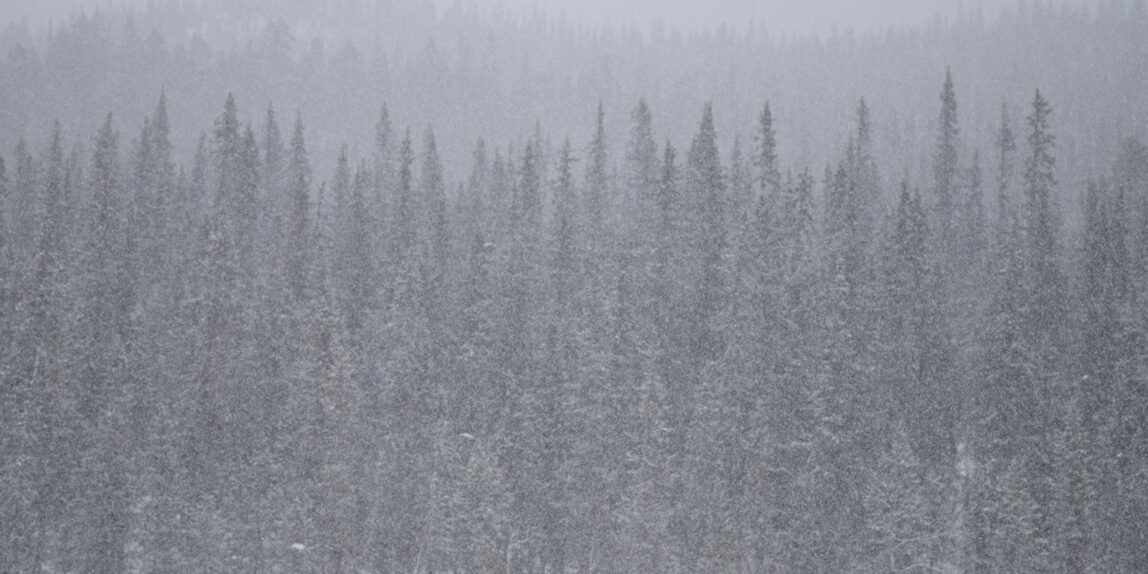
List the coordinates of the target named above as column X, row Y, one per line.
column 780, row 16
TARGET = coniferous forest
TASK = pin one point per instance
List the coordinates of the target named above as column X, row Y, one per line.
column 391, row 288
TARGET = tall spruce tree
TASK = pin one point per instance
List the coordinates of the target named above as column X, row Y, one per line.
column 7, row 274
column 299, row 222
column 1005, row 399
column 642, row 156
column 946, row 170
column 1040, row 217
column 706, row 186
column 597, row 174
column 768, row 176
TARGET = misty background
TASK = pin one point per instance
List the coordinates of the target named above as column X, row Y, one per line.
column 778, row 17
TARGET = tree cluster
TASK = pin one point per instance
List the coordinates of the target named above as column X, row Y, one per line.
column 576, row 357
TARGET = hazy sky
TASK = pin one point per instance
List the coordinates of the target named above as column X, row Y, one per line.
column 780, row 16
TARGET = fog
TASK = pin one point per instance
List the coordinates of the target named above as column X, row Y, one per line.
column 781, row 17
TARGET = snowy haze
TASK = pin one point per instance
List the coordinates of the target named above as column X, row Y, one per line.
column 782, row 17
column 571, row 287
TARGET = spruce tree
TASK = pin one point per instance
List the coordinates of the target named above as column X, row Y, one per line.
column 1004, row 400
column 668, row 241
column 920, row 348
column 642, row 155
column 1041, row 221
column 42, row 366
column 706, row 186
column 274, row 156
column 403, row 206
column 7, row 275
column 359, row 262
column 565, row 266
column 741, row 199
column 108, row 391
column 299, row 224
column 765, row 160
column 339, row 209
column 1042, row 250
column 945, row 164
column 597, row 175
column 432, row 192
column 861, row 168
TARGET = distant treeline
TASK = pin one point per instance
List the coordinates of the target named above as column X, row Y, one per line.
column 483, row 72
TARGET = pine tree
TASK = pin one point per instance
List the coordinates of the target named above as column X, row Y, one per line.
column 226, row 151
column 385, row 182
column 107, row 343
column 972, row 214
column 1006, row 157
column 27, row 174
column 597, row 176
column 339, row 208
column 197, row 188
column 299, row 225
column 359, row 264
column 52, row 407
column 565, row 276
column 384, row 166
column 7, row 275
column 765, row 160
column 247, row 205
column 742, row 198
column 107, row 231
column 1005, row 400
column 861, row 168
column 668, row 306
column 404, row 209
column 945, row 164
column 471, row 209
column 920, row 348
column 1045, row 304
column 274, row 156
column 520, row 296
column 432, row 191
column 843, row 227
column 706, row 186
column 642, row 156
column 1040, row 222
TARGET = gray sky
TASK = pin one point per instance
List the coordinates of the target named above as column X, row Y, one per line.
column 781, row 17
